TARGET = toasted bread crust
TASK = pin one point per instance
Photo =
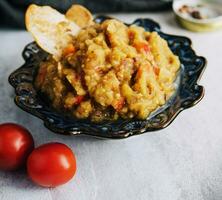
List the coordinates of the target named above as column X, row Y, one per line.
column 80, row 15
column 51, row 30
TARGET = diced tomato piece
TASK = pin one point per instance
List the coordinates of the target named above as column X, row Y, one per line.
column 146, row 48
column 131, row 35
column 141, row 46
column 69, row 50
column 119, row 104
column 78, row 99
column 139, row 72
column 156, row 70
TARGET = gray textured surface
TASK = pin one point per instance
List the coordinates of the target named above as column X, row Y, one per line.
column 182, row 162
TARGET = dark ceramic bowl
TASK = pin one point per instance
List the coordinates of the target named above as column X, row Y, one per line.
column 187, row 94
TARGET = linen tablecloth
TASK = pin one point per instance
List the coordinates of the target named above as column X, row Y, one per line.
column 181, row 162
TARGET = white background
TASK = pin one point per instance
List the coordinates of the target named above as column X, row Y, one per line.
column 182, row 162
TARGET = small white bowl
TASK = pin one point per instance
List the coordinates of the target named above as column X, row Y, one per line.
column 210, row 10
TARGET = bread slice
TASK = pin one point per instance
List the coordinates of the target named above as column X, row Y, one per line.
column 51, row 30
column 80, row 15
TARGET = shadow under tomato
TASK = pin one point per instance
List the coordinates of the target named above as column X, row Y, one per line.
column 17, row 179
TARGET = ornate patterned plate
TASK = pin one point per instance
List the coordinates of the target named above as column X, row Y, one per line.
column 187, row 94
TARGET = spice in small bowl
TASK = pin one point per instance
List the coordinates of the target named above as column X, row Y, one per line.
column 200, row 15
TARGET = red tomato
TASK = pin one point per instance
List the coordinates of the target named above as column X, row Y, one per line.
column 16, row 143
column 51, row 164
